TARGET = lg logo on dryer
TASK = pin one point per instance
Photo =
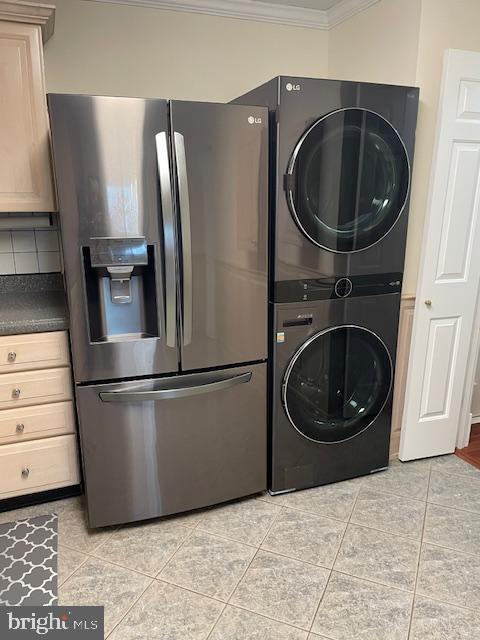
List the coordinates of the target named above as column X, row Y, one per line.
column 292, row 87
column 253, row 120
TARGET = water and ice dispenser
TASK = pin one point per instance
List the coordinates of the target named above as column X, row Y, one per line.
column 120, row 289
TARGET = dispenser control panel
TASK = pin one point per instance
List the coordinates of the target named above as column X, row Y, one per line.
column 109, row 252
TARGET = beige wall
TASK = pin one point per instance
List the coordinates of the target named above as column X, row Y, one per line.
column 124, row 50
column 381, row 45
column 377, row 45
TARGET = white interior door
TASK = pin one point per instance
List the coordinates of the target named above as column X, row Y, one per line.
column 445, row 324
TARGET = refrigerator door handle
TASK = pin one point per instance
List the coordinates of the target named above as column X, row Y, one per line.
column 163, row 163
column 184, row 202
column 137, row 395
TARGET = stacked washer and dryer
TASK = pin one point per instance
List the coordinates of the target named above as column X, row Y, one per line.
column 340, row 169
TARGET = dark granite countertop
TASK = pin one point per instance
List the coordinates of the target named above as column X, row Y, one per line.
column 32, row 303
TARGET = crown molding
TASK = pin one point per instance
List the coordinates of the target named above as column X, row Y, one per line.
column 347, row 9
column 258, row 11
column 30, row 13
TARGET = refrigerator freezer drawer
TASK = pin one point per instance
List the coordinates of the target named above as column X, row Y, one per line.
column 166, row 445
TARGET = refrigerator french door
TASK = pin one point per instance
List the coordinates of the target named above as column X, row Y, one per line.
column 163, row 209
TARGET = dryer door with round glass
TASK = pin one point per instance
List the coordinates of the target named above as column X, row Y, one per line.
column 337, row 383
column 348, row 180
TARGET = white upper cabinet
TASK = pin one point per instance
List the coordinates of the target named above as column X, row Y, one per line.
column 26, row 177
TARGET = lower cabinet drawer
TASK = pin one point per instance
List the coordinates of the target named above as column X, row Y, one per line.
column 37, row 421
column 33, row 351
column 40, row 465
column 35, row 387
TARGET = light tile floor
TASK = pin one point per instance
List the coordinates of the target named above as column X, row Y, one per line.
column 393, row 556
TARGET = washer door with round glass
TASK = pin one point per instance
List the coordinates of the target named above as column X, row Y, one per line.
column 337, row 383
column 348, row 180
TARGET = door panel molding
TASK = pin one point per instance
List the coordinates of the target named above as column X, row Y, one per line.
column 457, row 233
column 442, row 350
column 469, row 98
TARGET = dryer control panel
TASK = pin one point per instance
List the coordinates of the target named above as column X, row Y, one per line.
column 342, row 287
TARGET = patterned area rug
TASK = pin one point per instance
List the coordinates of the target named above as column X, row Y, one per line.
column 28, row 561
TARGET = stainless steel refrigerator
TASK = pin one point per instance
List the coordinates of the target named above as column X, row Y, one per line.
column 163, row 209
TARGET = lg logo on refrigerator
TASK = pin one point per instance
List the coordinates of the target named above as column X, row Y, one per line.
column 253, row 120
column 292, row 87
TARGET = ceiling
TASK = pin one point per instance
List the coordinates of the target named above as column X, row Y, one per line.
column 313, row 14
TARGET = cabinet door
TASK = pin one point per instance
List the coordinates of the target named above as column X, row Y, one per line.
column 25, row 170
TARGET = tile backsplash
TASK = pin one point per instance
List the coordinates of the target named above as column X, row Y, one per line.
column 30, row 251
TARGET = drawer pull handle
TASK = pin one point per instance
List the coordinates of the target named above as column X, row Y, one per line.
column 16, row 392
column 20, row 428
column 12, row 356
column 25, row 472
